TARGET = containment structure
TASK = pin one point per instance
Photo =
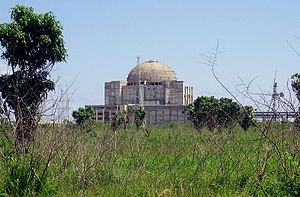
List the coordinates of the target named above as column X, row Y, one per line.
column 153, row 85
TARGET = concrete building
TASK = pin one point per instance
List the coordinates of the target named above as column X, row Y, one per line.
column 153, row 85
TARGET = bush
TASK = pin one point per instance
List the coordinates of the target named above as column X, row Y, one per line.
column 220, row 113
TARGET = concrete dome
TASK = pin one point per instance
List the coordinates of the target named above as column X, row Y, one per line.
column 151, row 71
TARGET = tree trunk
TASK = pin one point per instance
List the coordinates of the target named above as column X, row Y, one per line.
column 25, row 126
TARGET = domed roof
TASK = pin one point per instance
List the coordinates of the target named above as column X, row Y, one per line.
column 151, row 71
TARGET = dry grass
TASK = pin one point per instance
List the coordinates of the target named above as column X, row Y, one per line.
column 172, row 161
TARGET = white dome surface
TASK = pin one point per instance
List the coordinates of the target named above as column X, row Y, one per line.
column 151, row 71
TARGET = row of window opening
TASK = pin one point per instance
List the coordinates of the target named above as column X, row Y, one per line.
column 145, row 83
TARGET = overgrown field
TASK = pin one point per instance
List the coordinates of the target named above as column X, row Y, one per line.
column 169, row 160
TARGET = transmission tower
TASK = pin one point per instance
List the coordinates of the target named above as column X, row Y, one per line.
column 275, row 97
column 275, row 102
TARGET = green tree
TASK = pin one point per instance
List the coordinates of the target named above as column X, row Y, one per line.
column 139, row 116
column 212, row 113
column 133, row 114
column 120, row 120
column 246, row 117
column 82, row 114
column 31, row 44
column 228, row 113
column 203, row 112
column 296, row 85
column 296, row 89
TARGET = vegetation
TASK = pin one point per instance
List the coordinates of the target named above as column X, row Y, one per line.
column 82, row 114
column 61, row 160
column 212, row 113
column 32, row 43
column 134, row 114
column 296, row 85
column 139, row 117
column 246, row 117
column 172, row 161
column 296, row 89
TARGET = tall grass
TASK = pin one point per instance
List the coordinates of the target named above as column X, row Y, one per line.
column 173, row 160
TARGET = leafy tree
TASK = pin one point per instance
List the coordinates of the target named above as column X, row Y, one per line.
column 246, row 117
column 296, row 89
column 228, row 113
column 203, row 112
column 31, row 44
column 212, row 113
column 296, row 85
column 134, row 114
column 119, row 120
column 82, row 114
column 139, row 116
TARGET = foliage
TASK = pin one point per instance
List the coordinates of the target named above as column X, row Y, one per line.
column 296, row 85
column 220, row 113
column 172, row 161
column 5, row 127
column 139, row 116
column 23, row 179
column 134, row 114
column 32, row 43
column 246, row 117
column 202, row 112
column 228, row 113
column 82, row 114
column 296, row 89
column 119, row 120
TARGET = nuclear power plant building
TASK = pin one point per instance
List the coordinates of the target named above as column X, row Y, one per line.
column 152, row 85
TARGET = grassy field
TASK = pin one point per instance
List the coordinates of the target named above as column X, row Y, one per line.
column 173, row 160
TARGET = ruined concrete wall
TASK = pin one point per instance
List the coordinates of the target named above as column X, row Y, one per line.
column 162, row 93
column 173, row 92
column 156, row 114
column 154, row 95
column 166, row 114
column 130, row 94
column 113, row 92
column 104, row 113
column 188, row 95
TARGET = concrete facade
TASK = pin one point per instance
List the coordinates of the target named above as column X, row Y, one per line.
column 161, row 114
column 156, row 114
column 160, row 93
column 153, row 85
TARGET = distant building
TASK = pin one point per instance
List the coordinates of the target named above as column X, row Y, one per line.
column 153, row 85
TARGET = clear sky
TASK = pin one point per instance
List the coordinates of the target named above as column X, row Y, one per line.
column 104, row 37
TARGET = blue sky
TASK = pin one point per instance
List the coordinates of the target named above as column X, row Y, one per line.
column 104, row 37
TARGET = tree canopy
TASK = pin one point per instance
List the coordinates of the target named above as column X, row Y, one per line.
column 296, row 89
column 296, row 85
column 82, row 114
column 212, row 113
column 31, row 44
column 32, row 41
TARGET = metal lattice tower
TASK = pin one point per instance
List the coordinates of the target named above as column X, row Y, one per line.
column 276, row 97
column 275, row 102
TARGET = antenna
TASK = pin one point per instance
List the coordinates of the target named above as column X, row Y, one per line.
column 138, row 60
column 138, row 82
